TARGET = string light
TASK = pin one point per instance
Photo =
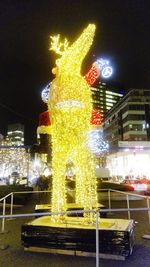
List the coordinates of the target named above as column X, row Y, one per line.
column 96, row 118
column 44, row 123
column 105, row 68
column 96, row 142
column 70, row 107
column 14, row 159
column 45, row 93
column 92, row 74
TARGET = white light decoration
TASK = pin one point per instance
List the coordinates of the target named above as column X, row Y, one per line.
column 105, row 68
column 45, row 93
column 14, row 160
column 107, row 72
column 96, row 143
column 47, row 172
column 69, row 104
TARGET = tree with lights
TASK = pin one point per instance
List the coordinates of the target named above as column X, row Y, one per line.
column 14, row 160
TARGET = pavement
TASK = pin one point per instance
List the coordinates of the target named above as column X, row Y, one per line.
column 12, row 253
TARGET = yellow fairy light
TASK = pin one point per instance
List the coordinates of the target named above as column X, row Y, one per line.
column 57, row 46
column 44, row 129
column 70, row 107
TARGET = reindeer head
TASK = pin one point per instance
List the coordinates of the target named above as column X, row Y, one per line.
column 69, row 89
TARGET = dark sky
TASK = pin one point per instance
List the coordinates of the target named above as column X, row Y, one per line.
column 122, row 35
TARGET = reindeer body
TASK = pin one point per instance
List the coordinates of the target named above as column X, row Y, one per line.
column 70, row 107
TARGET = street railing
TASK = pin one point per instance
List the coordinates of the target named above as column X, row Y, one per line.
column 127, row 194
column 5, row 216
column 128, row 203
column 3, row 200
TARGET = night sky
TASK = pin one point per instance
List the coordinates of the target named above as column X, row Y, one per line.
column 122, row 36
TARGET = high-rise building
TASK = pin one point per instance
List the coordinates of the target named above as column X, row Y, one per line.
column 105, row 96
column 129, row 120
column 15, row 133
column 127, row 130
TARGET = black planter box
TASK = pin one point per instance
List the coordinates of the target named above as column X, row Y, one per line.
column 116, row 236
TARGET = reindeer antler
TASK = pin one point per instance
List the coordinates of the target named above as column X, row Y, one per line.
column 57, row 46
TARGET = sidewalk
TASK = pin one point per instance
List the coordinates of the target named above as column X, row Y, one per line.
column 15, row 256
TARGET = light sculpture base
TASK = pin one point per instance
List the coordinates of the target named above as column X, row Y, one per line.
column 74, row 237
column 70, row 207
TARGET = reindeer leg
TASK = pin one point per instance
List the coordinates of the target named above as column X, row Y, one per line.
column 59, row 179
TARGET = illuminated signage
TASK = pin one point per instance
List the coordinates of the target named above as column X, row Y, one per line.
column 105, row 68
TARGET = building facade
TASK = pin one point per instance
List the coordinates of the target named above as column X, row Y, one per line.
column 105, row 97
column 127, row 130
column 15, row 134
column 129, row 120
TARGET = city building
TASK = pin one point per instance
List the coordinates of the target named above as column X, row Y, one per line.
column 105, row 96
column 129, row 120
column 127, row 130
column 15, row 134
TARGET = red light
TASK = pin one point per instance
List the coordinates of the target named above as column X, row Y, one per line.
column 92, row 74
column 44, row 119
column 96, row 118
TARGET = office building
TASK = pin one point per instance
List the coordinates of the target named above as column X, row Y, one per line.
column 15, row 134
column 105, row 96
column 127, row 130
column 129, row 120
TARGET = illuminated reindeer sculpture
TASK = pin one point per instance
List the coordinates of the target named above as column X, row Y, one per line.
column 70, row 107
